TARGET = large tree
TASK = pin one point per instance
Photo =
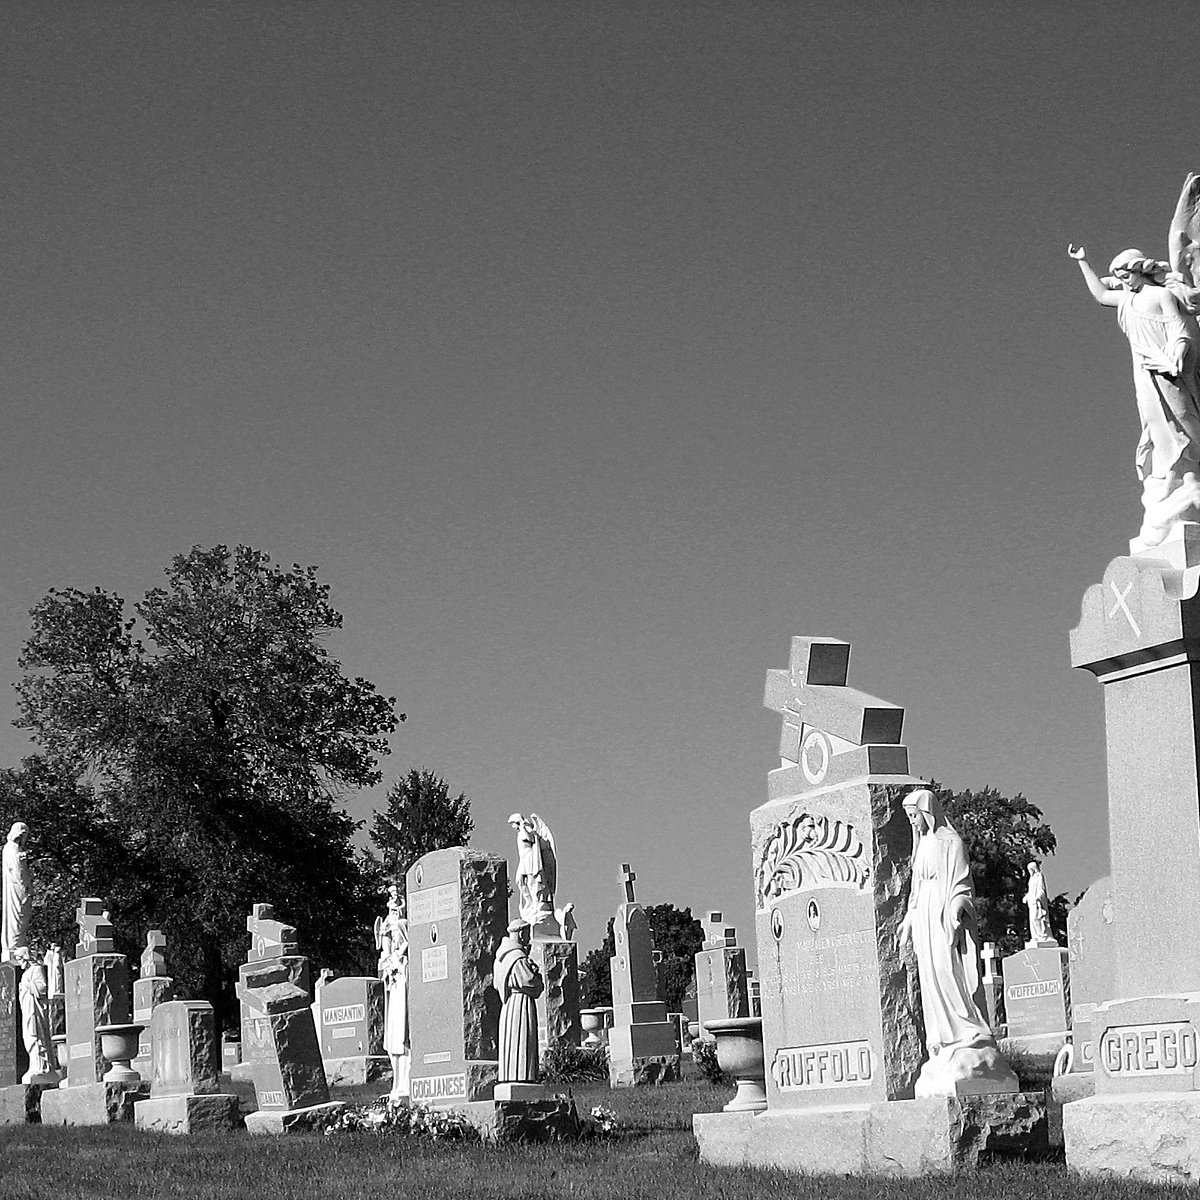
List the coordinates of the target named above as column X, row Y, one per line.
column 1003, row 834
column 678, row 936
column 213, row 735
column 419, row 815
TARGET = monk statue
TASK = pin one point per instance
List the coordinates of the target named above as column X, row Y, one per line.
column 391, row 940
column 17, row 893
column 537, row 869
column 940, row 929
column 519, row 982
column 1156, row 305
column 1037, row 901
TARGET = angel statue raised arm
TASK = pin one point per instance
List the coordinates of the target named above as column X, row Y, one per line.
column 1156, row 305
column 537, row 869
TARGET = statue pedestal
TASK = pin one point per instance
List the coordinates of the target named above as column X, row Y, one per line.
column 518, row 1120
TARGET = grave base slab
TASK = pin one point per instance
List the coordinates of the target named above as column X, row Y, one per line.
column 523, row 1120
column 357, row 1070
column 241, row 1072
column 91, row 1103
column 21, row 1103
column 899, row 1137
column 291, row 1120
column 642, row 1072
column 1149, row 1136
column 188, row 1114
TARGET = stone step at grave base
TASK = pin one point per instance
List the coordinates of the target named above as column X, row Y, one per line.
column 21, row 1103
column 523, row 1120
column 357, row 1070
column 291, row 1120
column 242, row 1072
column 896, row 1137
column 1148, row 1136
column 212, row 1113
column 91, row 1103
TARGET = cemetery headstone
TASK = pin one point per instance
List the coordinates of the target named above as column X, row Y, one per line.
column 15, row 1108
column 457, row 914
column 1090, row 956
column 642, row 1043
column 993, row 989
column 841, row 1015
column 721, row 979
column 185, row 1090
column 350, row 1028
column 279, row 1039
column 97, row 994
column 152, row 986
column 1037, row 1002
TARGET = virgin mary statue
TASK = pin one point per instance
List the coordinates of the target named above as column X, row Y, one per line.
column 940, row 928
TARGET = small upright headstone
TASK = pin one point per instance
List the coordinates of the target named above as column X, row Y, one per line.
column 152, row 986
column 642, row 1044
column 1090, row 926
column 1037, row 1002
column 279, row 1040
column 350, row 1029
column 185, row 1095
column 457, row 914
column 97, row 987
column 721, row 977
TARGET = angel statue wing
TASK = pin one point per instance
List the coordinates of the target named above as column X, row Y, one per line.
column 549, row 857
column 1183, row 243
column 379, row 933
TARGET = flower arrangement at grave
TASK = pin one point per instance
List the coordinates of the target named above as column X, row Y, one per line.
column 386, row 1115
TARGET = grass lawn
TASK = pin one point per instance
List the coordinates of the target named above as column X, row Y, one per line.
column 652, row 1158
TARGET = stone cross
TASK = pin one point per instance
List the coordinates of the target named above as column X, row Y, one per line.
column 812, row 691
column 712, row 923
column 269, row 938
column 990, row 956
column 95, row 930
column 627, row 878
column 153, row 961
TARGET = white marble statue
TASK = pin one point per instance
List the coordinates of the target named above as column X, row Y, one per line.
column 519, row 982
column 939, row 927
column 391, row 940
column 537, row 869
column 34, row 995
column 1156, row 305
column 1037, row 901
column 565, row 919
column 18, row 893
column 53, row 962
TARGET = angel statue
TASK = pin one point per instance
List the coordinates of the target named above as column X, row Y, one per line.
column 1156, row 305
column 391, row 940
column 537, row 869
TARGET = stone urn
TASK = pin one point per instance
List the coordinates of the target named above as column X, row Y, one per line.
column 60, row 1050
column 740, row 1055
column 591, row 1021
column 119, row 1044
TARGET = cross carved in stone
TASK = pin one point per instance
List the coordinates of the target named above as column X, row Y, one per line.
column 812, row 691
column 153, row 960
column 627, row 879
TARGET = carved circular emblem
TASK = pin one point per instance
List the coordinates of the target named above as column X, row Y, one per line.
column 418, row 874
column 814, row 756
column 776, row 924
column 433, row 933
column 814, row 916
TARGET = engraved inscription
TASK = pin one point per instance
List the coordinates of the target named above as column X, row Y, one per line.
column 1167, row 1049
column 833, row 1065
column 1039, row 987
column 433, row 904
column 438, row 1087
column 434, row 964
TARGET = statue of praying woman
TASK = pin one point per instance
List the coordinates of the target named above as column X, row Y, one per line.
column 17, row 893
column 1037, row 901
column 391, row 940
column 939, row 927
column 519, row 982
column 1156, row 304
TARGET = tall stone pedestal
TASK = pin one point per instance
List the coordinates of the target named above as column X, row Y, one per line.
column 457, row 914
column 1139, row 634
column 558, row 1005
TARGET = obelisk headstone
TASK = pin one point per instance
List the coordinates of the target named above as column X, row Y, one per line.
column 642, row 1044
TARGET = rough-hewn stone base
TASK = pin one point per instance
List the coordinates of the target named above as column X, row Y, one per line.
column 22, row 1103
column 643, row 1072
column 290, row 1120
column 900, row 1137
column 91, row 1103
column 1063, row 1090
column 242, row 1072
column 1151, row 1136
column 188, row 1114
column 357, row 1070
column 523, row 1120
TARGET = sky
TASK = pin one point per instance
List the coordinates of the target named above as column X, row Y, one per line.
column 592, row 351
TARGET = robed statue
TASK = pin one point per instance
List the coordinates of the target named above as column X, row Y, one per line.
column 1037, row 903
column 1156, row 304
column 17, row 879
column 391, row 940
column 519, row 982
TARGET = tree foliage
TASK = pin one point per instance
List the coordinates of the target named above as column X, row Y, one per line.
column 204, row 743
column 1003, row 835
column 678, row 937
column 419, row 815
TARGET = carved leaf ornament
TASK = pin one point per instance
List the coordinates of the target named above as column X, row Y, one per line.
column 810, row 852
